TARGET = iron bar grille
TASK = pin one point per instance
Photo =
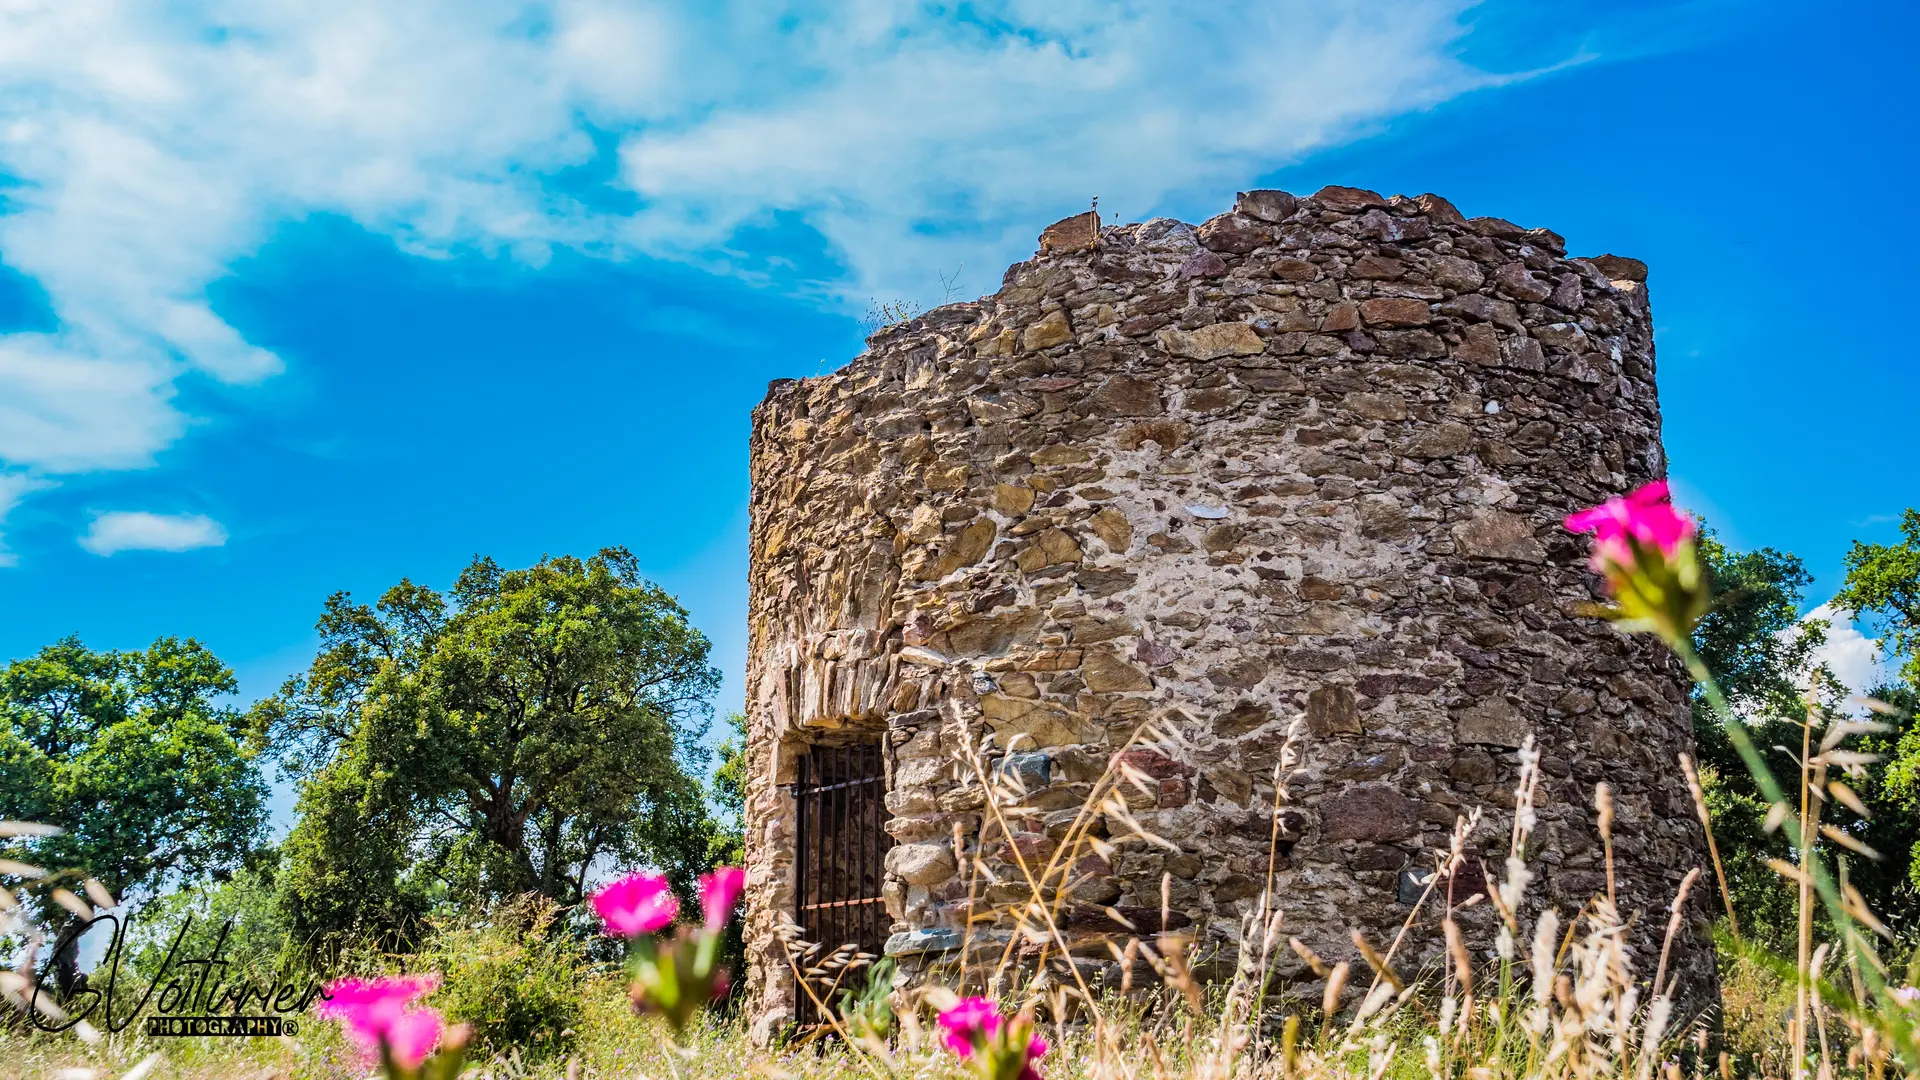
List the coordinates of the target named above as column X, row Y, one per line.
column 839, row 864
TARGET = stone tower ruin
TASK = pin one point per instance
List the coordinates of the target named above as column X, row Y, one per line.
column 1298, row 469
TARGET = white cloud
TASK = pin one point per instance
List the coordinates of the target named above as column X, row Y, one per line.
column 1854, row 658
column 903, row 124
column 138, row 530
column 151, row 146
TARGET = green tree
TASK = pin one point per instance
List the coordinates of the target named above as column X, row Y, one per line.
column 239, row 914
column 1761, row 651
column 1883, row 588
column 499, row 740
column 131, row 754
column 1754, row 640
column 1763, row 654
column 729, row 846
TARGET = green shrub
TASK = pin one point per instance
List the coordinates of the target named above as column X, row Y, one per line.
column 514, row 973
column 239, row 916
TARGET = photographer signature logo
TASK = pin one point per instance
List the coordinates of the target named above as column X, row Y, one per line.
column 188, row 995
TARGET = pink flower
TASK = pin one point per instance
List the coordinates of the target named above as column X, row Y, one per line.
column 995, row 1046
column 1907, row 995
column 636, row 904
column 718, row 891
column 1036, row 1049
column 969, row 1017
column 413, row 1036
column 369, row 1008
column 1644, row 516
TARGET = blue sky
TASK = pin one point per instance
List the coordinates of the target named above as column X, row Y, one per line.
column 323, row 299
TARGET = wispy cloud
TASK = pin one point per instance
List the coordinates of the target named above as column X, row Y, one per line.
column 1854, row 658
column 1874, row 519
column 13, row 486
column 138, row 530
column 151, row 146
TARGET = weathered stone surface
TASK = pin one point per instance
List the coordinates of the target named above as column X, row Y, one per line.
column 991, row 635
column 1111, row 526
column 1031, row 769
column 920, row 942
column 1376, row 406
column 1483, row 308
column 1394, row 311
column 1266, row 205
column 921, row 864
column 1493, row 722
column 1439, row 209
column 1031, row 724
column 1124, row 396
column 1516, row 281
column 1286, row 485
column 1012, row 500
column 1347, row 199
column 1378, row 268
column 1497, row 534
column 1213, row 342
column 1167, row 434
column 1441, row 440
column 1234, row 234
column 1298, row 271
column 1053, row 547
column 1461, row 275
column 1341, row 317
column 969, row 546
column 1621, row 268
column 1051, row 330
column 1106, row 673
column 1498, row 228
column 1058, row 454
column 1203, row 264
column 1081, row 232
column 1376, row 812
column 1331, row 710
column 1478, row 345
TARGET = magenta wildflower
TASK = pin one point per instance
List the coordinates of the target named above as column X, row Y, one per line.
column 368, row 1008
column 1644, row 553
column 996, row 1048
column 1036, row 1049
column 1644, row 516
column 636, row 904
column 413, row 1036
column 377, row 1016
column 718, row 891
column 673, row 975
column 969, row 1019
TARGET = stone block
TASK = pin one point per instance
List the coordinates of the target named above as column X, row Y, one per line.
column 1492, row 722
column 1346, row 199
column 1266, row 205
column 1394, row 312
column 1079, row 233
column 921, row 864
column 921, row 942
column 1213, row 342
column 1374, row 812
column 1332, row 710
column 1497, row 534
column 1051, row 330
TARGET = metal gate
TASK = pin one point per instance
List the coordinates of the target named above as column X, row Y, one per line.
column 839, row 863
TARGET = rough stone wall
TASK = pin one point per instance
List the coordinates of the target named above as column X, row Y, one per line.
column 1304, row 461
